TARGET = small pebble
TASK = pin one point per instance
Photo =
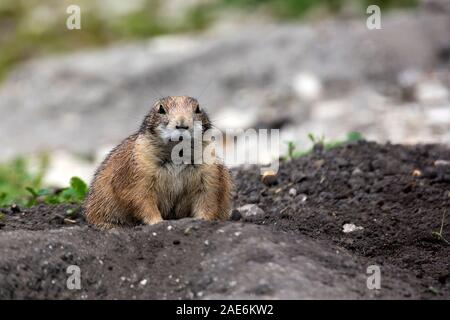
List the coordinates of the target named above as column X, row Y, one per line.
column 269, row 178
column 439, row 163
column 302, row 197
column 114, row 231
column 350, row 227
column 235, row 215
column 15, row 208
column 292, row 192
column 417, row 173
column 250, row 210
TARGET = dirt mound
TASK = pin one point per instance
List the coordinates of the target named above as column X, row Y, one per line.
column 392, row 197
column 396, row 193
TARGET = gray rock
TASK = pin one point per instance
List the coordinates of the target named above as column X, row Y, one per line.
column 250, row 210
column 442, row 163
column 95, row 98
column 357, row 172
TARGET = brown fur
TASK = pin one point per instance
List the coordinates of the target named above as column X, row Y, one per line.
column 137, row 182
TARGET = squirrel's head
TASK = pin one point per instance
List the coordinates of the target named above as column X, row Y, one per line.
column 171, row 116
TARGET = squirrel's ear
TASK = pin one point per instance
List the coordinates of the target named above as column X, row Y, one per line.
column 197, row 109
column 161, row 109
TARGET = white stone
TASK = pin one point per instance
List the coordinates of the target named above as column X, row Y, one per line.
column 303, row 197
column 307, row 86
column 438, row 163
column 292, row 192
column 438, row 115
column 350, row 227
column 431, row 91
column 250, row 210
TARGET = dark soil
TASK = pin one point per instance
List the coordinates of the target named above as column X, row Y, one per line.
column 372, row 186
column 41, row 217
column 295, row 249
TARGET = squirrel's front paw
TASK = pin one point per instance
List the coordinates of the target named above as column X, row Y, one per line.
column 151, row 221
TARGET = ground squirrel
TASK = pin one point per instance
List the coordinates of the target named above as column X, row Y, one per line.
column 139, row 182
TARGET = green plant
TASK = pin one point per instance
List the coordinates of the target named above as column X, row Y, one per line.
column 16, row 175
column 21, row 182
column 315, row 139
column 433, row 290
column 75, row 193
column 352, row 136
column 291, row 148
column 439, row 234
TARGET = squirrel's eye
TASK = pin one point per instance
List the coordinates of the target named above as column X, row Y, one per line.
column 197, row 109
column 161, row 110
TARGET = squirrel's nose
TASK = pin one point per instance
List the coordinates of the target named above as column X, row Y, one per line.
column 181, row 123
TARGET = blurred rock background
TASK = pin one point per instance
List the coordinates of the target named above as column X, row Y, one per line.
column 302, row 66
